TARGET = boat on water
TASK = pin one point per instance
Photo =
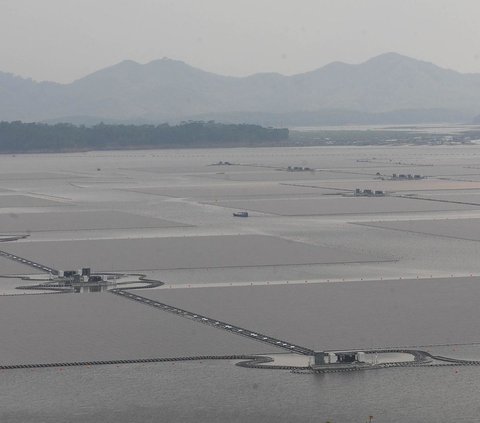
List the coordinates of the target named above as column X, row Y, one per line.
column 241, row 214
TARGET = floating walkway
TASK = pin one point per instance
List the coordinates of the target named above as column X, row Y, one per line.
column 218, row 324
column 252, row 361
column 30, row 263
column 255, row 362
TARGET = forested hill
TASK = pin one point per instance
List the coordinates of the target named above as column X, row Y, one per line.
column 19, row 137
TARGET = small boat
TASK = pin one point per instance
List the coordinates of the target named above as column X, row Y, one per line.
column 241, row 214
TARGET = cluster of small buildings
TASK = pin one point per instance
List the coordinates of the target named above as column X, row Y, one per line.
column 84, row 281
column 369, row 193
column 299, row 169
column 402, row 176
column 323, row 358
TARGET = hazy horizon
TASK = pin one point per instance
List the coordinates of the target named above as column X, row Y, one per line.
column 111, row 65
column 64, row 40
column 239, row 76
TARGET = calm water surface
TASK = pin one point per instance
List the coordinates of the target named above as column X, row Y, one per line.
column 221, row 392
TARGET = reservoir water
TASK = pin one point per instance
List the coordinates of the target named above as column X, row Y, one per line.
column 221, row 392
column 313, row 264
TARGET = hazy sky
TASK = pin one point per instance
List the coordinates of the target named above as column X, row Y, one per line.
column 62, row 40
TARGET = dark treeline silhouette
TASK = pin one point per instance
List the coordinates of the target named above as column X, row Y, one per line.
column 38, row 137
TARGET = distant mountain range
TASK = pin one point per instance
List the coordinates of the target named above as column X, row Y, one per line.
column 389, row 88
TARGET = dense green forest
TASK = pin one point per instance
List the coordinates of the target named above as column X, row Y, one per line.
column 38, row 137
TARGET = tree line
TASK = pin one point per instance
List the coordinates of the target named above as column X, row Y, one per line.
column 39, row 137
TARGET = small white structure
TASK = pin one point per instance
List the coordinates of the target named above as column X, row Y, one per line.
column 361, row 357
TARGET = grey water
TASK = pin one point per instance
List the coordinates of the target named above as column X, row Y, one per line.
column 175, row 198
column 204, row 392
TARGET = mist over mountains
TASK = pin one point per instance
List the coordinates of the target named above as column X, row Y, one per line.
column 389, row 88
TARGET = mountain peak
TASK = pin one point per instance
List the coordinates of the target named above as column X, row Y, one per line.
column 128, row 62
column 123, row 65
column 396, row 60
column 389, row 56
column 392, row 58
column 165, row 61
